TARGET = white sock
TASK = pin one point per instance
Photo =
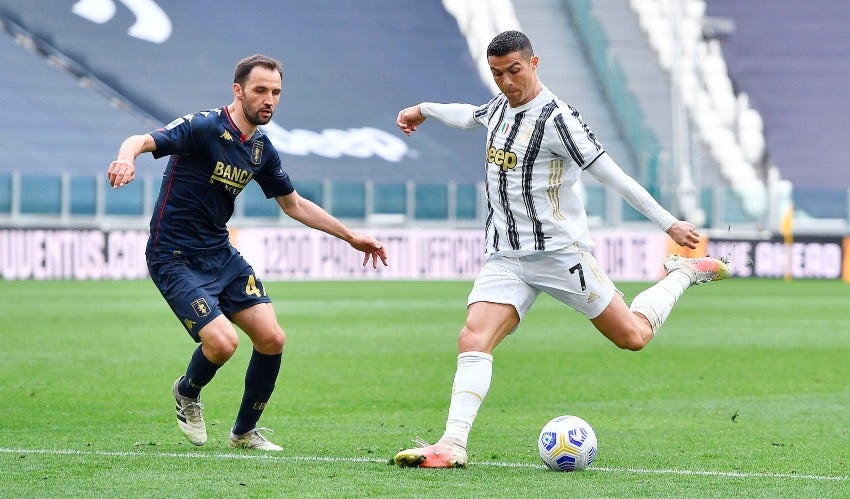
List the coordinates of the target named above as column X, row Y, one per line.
column 472, row 380
column 656, row 302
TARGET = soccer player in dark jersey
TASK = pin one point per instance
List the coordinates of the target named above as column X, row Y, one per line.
column 206, row 282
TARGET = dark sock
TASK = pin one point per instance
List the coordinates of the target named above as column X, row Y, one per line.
column 260, row 378
column 200, row 372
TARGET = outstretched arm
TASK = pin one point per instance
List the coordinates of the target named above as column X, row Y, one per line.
column 409, row 118
column 312, row 215
column 609, row 173
column 122, row 171
column 454, row 115
column 684, row 233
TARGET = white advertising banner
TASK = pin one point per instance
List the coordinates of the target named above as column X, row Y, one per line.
column 72, row 254
column 631, row 255
column 284, row 253
column 294, row 253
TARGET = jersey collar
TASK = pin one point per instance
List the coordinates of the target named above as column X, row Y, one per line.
column 242, row 137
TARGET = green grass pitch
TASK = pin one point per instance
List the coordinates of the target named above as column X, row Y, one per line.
column 745, row 392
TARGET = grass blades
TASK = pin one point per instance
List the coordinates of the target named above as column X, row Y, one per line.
column 744, row 392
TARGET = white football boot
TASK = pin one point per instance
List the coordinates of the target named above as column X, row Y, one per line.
column 253, row 440
column 190, row 419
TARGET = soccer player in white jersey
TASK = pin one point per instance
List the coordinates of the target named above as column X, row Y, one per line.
column 537, row 234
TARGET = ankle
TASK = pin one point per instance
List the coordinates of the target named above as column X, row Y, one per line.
column 453, row 442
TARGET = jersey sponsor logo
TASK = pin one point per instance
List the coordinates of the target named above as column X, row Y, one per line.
column 188, row 324
column 257, row 152
column 226, row 136
column 506, row 160
column 234, row 178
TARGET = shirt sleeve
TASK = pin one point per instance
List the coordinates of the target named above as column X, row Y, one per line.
column 609, row 173
column 570, row 137
column 272, row 179
column 460, row 116
column 178, row 137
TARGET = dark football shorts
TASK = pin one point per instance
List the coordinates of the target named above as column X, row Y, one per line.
column 200, row 288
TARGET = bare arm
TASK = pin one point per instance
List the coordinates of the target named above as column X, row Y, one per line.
column 409, row 118
column 312, row 215
column 122, row 171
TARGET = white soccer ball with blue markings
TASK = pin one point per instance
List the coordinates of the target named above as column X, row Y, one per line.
column 567, row 443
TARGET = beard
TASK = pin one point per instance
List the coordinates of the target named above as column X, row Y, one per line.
column 253, row 116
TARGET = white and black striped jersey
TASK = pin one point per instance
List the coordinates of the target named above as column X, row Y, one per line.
column 534, row 155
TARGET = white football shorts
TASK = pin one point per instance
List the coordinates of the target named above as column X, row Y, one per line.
column 570, row 275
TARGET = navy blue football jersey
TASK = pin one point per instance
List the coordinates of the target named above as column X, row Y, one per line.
column 211, row 162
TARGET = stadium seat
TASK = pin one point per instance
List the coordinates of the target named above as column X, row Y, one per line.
column 431, row 202
column 823, row 203
column 5, row 193
column 256, row 204
column 466, row 197
column 41, row 194
column 155, row 187
column 630, row 214
column 348, row 200
column 595, row 200
column 312, row 190
column 83, row 194
column 707, row 203
column 734, row 210
column 126, row 201
column 390, row 198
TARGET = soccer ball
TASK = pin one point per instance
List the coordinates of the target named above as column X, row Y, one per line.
column 567, row 443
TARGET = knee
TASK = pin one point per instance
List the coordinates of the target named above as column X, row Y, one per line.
column 634, row 339
column 278, row 339
column 271, row 343
column 220, row 348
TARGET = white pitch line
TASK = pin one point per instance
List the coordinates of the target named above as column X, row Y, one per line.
column 330, row 459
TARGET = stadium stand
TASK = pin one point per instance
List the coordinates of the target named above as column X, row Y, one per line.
column 338, row 107
column 335, row 92
column 82, row 78
column 790, row 60
column 60, row 124
column 701, row 81
column 567, row 71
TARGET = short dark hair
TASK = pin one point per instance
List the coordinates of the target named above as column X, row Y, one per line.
column 244, row 67
column 510, row 41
